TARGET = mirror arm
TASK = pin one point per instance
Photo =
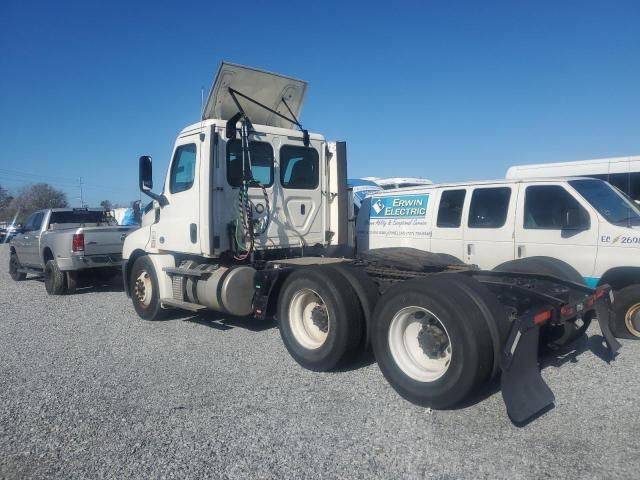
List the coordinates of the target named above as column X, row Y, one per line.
column 161, row 199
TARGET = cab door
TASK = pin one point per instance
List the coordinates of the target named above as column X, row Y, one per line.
column 551, row 221
column 489, row 229
column 29, row 253
column 177, row 229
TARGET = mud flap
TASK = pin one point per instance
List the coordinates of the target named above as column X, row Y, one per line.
column 605, row 314
column 524, row 391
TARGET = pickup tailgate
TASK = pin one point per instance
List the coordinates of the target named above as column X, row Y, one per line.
column 105, row 240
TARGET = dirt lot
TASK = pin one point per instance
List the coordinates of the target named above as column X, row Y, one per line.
column 89, row 390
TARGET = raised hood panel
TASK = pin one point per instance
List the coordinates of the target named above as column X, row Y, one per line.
column 264, row 87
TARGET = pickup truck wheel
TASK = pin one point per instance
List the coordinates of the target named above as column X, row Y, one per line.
column 552, row 336
column 14, row 266
column 626, row 303
column 144, row 290
column 431, row 341
column 55, row 280
column 319, row 317
column 72, row 281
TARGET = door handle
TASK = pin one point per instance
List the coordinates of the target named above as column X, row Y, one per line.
column 520, row 251
column 469, row 249
column 302, row 209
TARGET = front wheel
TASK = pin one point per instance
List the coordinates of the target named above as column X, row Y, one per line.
column 627, row 309
column 14, row 268
column 145, row 294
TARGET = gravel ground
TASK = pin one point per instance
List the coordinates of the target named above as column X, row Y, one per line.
column 89, row 390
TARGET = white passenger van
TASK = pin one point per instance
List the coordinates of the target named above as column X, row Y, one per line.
column 584, row 222
column 621, row 172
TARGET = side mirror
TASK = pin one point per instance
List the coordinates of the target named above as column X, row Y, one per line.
column 572, row 220
column 145, row 174
column 145, row 180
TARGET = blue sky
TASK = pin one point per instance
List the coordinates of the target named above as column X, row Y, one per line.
column 445, row 90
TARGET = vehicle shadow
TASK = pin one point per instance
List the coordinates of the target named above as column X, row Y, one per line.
column 221, row 321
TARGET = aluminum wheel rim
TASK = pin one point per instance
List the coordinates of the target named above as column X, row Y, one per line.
column 406, row 325
column 143, row 288
column 632, row 318
column 301, row 308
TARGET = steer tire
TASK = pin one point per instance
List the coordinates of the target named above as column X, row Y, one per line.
column 626, row 303
column 319, row 318
column 14, row 266
column 398, row 351
column 144, row 290
column 556, row 336
column 55, row 280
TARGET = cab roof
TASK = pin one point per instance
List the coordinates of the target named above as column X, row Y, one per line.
column 221, row 124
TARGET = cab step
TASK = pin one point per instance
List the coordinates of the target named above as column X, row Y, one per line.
column 170, row 302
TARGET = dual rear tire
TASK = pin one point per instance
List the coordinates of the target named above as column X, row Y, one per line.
column 320, row 319
column 431, row 339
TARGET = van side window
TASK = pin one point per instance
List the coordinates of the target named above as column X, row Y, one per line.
column 299, row 167
column 183, row 169
column 489, row 207
column 261, row 154
column 450, row 209
column 546, row 208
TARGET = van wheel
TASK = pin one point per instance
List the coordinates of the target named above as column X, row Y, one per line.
column 14, row 266
column 144, row 290
column 552, row 336
column 55, row 280
column 431, row 341
column 319, row 318
column 626, row 302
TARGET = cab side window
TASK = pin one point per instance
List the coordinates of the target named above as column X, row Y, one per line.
column 547, row 207
column 183, row 169
column 489, row 207
column 450, row 209
column 34, row 222
column 261, row 155
column 299, row 167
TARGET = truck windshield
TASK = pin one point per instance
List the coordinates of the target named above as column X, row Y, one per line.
column 610, row 203
column 78, row 216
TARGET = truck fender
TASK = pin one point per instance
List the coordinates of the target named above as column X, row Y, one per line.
column 620, row 277
column 159, row 263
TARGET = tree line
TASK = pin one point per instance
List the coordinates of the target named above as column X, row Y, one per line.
column 34, row 197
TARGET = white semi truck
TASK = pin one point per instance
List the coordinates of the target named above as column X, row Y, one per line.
column 253, row 219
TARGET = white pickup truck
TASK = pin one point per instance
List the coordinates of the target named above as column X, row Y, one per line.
column 60, row 242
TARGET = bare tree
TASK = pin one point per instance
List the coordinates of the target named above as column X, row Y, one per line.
column 5, row 202
column 36, row 197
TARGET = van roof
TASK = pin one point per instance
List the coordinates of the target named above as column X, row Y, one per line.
column 481, row 182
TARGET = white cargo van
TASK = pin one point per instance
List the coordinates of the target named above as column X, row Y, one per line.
column 585, row 222
column 621, row 172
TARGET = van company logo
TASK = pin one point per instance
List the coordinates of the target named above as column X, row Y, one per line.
column 405, row 206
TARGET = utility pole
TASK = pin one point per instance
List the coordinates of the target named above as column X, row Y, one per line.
column 81, row 196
